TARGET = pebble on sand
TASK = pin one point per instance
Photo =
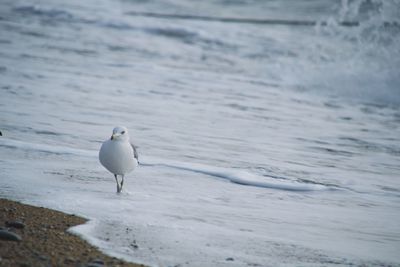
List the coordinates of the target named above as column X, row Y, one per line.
column 95, row 263
column 16, row 224
column 9, row 236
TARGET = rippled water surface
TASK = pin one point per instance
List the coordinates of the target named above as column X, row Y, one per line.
column 268, row 131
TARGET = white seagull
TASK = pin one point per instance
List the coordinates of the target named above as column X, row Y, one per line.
column 118, row 155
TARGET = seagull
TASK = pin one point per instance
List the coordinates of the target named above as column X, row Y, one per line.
column 118, row 155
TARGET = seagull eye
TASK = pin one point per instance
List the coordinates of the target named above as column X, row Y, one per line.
column 122, row 132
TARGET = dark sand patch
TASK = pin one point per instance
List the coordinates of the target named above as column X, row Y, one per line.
column 45, row 240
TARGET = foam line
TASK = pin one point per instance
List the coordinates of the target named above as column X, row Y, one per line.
column 234, row 175
column 242, row 177
column 241, row 20
column 59, row 150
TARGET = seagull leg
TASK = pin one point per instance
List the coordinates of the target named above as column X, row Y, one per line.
column 122, row 182
column 116, row 179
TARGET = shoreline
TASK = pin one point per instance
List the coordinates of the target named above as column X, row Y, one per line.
column 45, row 239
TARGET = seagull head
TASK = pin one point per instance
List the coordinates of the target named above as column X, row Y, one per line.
column 120, row 133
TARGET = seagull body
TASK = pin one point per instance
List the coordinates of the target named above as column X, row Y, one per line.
column 118, row 155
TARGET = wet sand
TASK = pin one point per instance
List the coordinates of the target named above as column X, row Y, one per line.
column 45, row 240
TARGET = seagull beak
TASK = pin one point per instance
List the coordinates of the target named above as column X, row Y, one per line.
column 114, row 135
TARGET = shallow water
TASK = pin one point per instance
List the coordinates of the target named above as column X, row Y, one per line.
column 268, row 131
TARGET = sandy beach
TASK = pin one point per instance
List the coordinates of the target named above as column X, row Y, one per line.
column 45, row 240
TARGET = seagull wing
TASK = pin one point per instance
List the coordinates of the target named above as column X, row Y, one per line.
column 135, row 153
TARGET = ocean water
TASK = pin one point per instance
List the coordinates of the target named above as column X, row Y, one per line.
column 268, row 131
